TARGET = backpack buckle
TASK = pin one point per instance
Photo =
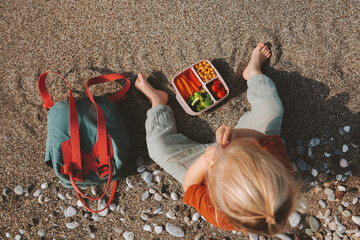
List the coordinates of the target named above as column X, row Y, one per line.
column 103, row 170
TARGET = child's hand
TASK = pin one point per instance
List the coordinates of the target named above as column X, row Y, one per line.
column 224, row 135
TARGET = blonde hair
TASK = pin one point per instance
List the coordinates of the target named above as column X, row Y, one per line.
column 252, row 188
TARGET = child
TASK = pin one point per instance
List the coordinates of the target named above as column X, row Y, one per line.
column 244, row 182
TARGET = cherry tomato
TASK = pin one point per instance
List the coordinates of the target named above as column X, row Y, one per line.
column 217, row 82
column 221, row 93
column 215, row 87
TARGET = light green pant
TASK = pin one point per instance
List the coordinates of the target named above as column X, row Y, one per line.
column 175, row 153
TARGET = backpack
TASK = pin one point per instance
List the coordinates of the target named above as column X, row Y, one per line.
column 87, row 140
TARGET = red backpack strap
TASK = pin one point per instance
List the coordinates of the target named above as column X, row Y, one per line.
column 74, row 165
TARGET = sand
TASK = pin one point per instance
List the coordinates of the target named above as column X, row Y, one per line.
column 315, row 65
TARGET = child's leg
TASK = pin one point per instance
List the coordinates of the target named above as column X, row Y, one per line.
column 266, row 107
column 172, row 151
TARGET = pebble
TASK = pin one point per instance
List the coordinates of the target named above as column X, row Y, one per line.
column 347, row 129
column 328, row 191
column 37, row 193
column 345, row 148
column 345, row 204
column 92, row 235
column 41, row 233
column 6, row 191
column 346, row 213
column 174, row 230
column 342, row 188
column 147, row 228
column 356, row 219
column 145, row 217
column 130, row 182
column 331, row 197
column 18, row 237
column 283, row 236
column 341, row 228
column 253, row 236
column 158, row 229
column 21, row 231
column 145, row 195
column 158, row 210
column 337, row 219
column 152, row 191
column 170, row 214
column 314, row 223
column 314, row 172
column 147, row 176
column 332, row 226
column 174, row 196
column 19, row 190
column 343, row 163
column 300, row 150
column 322, row 203
column 72, row 225
column 295, row 168
column 68, row 196
column 7, row 235
column 71, row 211
column 158, row 179
column 101, row 205
column 79, row 203
column 355, row 200
column 309, row 152
column 141, row 168
column 44, row 185
column 314, row 142
column 196, row 216
column 339, row 177
column 348, row 173
column 158, row 197
column 129, row 235
column 112, row 206
column 294, row 219
column 327, row 154
column 61, row 196
column 156, row 172
column 302, row 165
column 95, row 217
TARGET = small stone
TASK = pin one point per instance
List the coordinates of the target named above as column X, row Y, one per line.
column 112, row 206
column 170, row 214
column 129, row 236
column 68, row 196
column 314, row 142
column 348, row 173
column 309, row 232
column 147, row 176
column 341, row 228
column 332, row 226
column 339, row 195
column 355, row 200
column 158, row 210
column 342, row 188
column 6, row 191
column 345, row 204
column 158, row 229
column 72, row 225
column 314, row 223
column 174, row 196
column 152, row 191
column 339, row 177
column 196, row 216
column 92, row 235
column 141, row 168
column 283, row 236
column 18, row 237
column 158, row 197
column 345, row 148
column 322, row 203
column 79, row 203
column 145, row 195
column 71, row 211
column 19, row 190
column 302, row 165
column 174, row 230
column 343, row 163
column 86, row 215
column 303, row 205
column 346, row 213
column 327, row 154
column 61, row 196
column 331, row 197
column 327, row 213
column 21, row 231
column 145, row 217
column 156, row 172
column 158, row 179
column 309, row 152
column 253, row 236
column 37, row 193
column 102, row 205
column 41, row 233
column 347, row 129
column 147, row 228
column 356, row 219
column 328, row 191
column 95, row 217
column 337, row 219
column 44, row 185
column 317, row 189
column 130, row 182
column 294, row 219
column 314, row 172
column 7, row 235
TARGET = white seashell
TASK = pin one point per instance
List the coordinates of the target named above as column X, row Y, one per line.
column 327, row 154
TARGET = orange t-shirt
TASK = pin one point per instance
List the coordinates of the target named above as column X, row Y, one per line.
column 197, row 195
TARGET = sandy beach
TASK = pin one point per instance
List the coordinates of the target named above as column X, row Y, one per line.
column 314, row 64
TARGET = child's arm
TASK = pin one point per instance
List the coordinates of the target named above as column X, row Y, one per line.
column 198, row 170
column 225, row 133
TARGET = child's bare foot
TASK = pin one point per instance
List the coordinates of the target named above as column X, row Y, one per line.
column 156, row 97
column 258, row 57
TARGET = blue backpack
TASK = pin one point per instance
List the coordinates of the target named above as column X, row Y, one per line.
column 87, row 140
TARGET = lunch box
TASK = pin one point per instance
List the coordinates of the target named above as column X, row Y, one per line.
column 206, row 85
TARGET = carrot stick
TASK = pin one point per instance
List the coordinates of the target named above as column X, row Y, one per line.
column 186, row 86
column 193, row 77
column 181, row 89
column 187, row 80
column 193, row 85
